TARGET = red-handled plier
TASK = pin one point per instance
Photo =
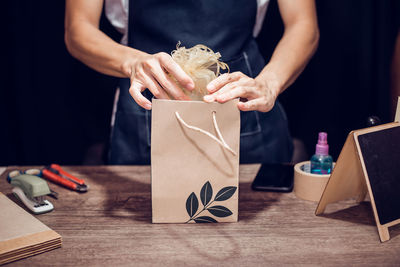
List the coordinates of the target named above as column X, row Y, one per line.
column 57, row 175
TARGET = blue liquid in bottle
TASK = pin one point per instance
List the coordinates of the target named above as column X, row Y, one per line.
column 321, row 162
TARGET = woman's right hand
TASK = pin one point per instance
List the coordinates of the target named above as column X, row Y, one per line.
column 155, row 73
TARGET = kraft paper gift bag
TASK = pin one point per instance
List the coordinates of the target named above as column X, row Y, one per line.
column 194, row 161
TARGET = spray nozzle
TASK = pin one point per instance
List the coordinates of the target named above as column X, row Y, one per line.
column 322, row 147
column 322, row 138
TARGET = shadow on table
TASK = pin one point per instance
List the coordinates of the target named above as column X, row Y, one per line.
column 394, row 231
column 129, row 197
column 360, row 214
column 125, row 193
column 126, row 196
column 253, row 202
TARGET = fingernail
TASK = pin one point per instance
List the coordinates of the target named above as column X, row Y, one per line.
column 190, row 86
column 210, row 87
column 147, row 106
column 221, row 98
column 208, row 98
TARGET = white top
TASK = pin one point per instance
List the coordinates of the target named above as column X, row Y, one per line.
column 117, row 13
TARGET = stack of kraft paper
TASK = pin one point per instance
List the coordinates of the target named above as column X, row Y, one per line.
column 21, row 234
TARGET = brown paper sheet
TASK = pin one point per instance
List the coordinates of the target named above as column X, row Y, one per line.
column 21, row 234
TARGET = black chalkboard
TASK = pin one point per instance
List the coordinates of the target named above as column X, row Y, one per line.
column 381, row 153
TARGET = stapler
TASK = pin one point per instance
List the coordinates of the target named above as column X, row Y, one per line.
column 31, row 190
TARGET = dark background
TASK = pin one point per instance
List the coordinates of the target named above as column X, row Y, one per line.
column 55, row 109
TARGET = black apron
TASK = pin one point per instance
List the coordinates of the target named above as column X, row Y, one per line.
column 226, row 26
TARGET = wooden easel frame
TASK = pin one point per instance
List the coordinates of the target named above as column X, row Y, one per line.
column 350, row 178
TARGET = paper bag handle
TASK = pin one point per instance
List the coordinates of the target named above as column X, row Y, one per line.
column 219, row 140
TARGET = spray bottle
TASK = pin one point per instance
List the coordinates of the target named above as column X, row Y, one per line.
column 321, row 162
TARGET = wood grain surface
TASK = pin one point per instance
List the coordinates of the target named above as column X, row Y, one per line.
column 111, row 225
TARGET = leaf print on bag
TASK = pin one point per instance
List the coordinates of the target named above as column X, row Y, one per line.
column 225, row 193
column 206, row 194
column 192, row 204
column 205, row 219
column 219, row 211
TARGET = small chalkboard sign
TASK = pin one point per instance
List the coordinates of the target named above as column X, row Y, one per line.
column 369, row 163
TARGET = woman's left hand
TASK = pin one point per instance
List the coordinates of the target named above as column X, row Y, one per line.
column 258, row 94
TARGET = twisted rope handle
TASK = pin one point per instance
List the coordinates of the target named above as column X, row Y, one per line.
column 219, row 140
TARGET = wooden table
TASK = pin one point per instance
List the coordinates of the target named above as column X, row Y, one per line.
column 111, row 225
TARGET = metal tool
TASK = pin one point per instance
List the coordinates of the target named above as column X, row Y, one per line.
column 57, row 175
column 31, row 190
